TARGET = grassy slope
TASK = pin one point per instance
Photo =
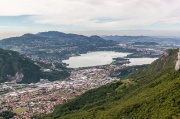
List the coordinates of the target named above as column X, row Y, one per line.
column 153, row 93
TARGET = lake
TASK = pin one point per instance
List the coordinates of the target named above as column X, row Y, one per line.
column 102, row 58
column 141, row 61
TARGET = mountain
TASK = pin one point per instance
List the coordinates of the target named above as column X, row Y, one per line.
column 18, row 68
column 53, row 46
column 131, row 39
column 56, row 34
column 125, row 39
column 152, row 93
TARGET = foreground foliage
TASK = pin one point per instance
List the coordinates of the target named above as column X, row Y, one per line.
column 7, row 115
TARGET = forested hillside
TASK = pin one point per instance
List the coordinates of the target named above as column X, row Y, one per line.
column 152, row 93
column 18, row 68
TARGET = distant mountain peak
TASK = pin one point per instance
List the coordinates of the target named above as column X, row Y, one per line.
column 28, row 35
column 50, row 32
column 95, row 36
column 55, row 34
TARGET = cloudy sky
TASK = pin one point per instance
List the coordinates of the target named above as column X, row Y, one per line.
column 101, row 17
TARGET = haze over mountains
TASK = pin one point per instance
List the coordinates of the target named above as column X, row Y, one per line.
column 131, row 39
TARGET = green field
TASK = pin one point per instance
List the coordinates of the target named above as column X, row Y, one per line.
column 20, row 110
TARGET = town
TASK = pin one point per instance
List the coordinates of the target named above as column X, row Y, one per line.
column 26, row 100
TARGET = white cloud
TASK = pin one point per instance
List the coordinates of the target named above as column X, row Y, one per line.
column 96, row 14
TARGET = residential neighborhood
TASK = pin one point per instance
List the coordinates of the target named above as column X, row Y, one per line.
column 44, row 96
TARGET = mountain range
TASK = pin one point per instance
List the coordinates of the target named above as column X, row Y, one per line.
column 53, row 46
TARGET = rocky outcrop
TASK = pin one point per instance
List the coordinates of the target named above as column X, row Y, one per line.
column 177, row 67
column 16, row 78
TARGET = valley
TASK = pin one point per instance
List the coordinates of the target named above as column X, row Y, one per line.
column 89, row 59
column 67, row 72
column 152, row 92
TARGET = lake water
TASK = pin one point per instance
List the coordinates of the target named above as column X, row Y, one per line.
column 141, row 61
column 102, row 58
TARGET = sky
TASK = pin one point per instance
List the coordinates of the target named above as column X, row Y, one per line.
column 90, row 17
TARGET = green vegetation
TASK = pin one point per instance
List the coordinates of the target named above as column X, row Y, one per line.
column 58, row 72
column 12, row 63
column 152, row 93
column 19, row 110
column 14, row 66
column 55, row 75
column 7, row 115
column 128, row 71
